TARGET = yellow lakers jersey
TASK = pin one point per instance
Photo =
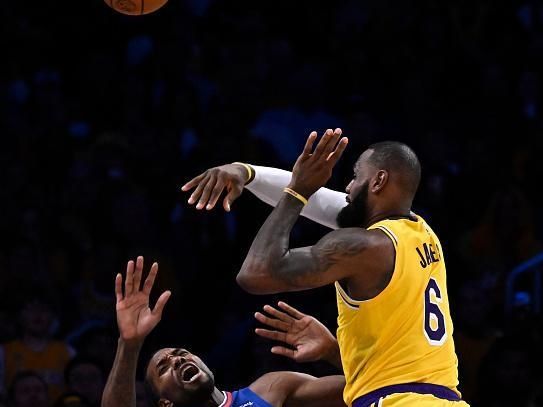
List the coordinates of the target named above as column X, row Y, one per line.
column 404, row 334
column 48, row 363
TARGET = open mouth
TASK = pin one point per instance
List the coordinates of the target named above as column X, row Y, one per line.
column 189, row 373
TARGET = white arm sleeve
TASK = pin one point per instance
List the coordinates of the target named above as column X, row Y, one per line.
column 323, row 206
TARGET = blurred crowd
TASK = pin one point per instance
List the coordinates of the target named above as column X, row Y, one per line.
column 103, row 117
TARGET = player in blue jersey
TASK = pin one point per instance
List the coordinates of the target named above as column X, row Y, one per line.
column 176, row 377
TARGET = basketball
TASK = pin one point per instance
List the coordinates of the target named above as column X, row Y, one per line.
column 135, row 7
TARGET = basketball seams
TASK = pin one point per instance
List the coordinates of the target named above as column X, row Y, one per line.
column 135, row 7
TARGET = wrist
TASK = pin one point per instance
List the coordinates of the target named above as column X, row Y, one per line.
column 247, row 172
column 299, row 198
column 303, row 191
column 132, row 344
column 332, row 355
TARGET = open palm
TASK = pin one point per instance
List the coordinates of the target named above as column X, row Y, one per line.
column 309, row 339
column 134, row 316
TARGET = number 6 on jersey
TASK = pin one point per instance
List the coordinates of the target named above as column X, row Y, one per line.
column 434, row 321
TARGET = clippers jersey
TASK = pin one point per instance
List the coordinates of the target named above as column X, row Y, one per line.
column 404, row 334
column 244, row 398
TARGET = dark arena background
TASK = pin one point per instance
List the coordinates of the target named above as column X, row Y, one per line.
column 104, row 117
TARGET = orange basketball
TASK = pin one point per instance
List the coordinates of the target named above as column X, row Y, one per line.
column 135, row 7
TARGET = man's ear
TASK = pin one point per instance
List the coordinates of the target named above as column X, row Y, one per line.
column 165, row 403
column 379, row 181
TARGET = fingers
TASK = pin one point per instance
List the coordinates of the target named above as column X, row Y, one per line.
column 215, row 194
column 308, row 148
column 293, row 312
column 161, row 303
column 193, row 182
column 274, row 323
column 332, row 143
column 129, row 280
column 273, row 335
column 207, row 191
column 321, row 146
column 199, row 189
column 232, row 195
column 281, row 350
column 278, row 314
column 338, row 152
column 150, row 280
column 137, row 274
column 119, row 287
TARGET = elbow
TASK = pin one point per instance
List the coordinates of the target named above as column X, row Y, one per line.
column 248, row 283
column 253, row 280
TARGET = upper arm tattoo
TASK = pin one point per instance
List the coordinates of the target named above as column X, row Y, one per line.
column 335, row 247
column 306, row 267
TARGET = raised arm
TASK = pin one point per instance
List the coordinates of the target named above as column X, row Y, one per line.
column 135, row 321
column 265, row 183
column 272, row 267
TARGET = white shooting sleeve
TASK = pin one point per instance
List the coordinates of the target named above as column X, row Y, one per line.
column 322, row 207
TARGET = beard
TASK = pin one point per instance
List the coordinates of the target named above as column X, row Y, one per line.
column 200, row 395
column 355, row 213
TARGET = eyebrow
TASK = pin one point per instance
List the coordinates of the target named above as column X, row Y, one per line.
column 164, row 358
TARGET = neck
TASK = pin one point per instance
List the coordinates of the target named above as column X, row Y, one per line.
column 35, row 343
column 218, row 398
column 397, row 212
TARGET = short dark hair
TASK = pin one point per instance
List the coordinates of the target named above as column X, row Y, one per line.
column 400, row 158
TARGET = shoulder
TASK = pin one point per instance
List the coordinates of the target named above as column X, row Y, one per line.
column 353, row 241
column 278, row 381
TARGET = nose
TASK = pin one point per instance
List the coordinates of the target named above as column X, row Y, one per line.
column 178, row 361
column 348, row 187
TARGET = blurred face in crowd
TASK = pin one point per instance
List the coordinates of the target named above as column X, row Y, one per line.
column 87, row 379
column 37, row 318
column 30, row 391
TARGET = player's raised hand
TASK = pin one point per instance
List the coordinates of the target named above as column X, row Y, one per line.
column 314, row 167
column 309, row 339
column 134, row 316
column 209, row 185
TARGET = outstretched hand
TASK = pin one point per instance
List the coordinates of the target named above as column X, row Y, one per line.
column 313, row 168
column 134, row 316
column 209, row 185
column 308, row 338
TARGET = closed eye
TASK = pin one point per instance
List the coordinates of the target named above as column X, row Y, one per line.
column 180, row 352
column 162, row 370
column 162, row 365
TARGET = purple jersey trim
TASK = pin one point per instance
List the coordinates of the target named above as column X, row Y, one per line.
column 440, row 392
